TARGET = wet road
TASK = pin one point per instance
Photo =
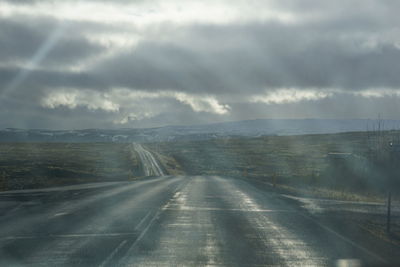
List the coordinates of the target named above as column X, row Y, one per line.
column 168, row 221
column 149, row 164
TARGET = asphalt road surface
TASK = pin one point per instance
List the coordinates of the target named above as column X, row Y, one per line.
column 150, row 166
column 168, row 221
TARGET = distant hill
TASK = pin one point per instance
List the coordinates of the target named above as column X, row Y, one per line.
column 247, row 128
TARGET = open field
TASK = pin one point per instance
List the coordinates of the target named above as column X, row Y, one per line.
column 33, row 165
column 290, row 162
column 327, row 164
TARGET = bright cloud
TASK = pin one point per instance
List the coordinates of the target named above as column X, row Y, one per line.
column 378, row 93
column 284, row 96
column 130, row 105
column 74, row 98
column 202, row 104
column 146, row 13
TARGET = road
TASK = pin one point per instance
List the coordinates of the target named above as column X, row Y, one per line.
column 169, row 221
column 149, row 164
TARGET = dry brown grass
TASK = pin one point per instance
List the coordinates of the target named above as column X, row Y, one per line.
column 29, row 165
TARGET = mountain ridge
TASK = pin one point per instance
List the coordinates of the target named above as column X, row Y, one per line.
column 243, row 128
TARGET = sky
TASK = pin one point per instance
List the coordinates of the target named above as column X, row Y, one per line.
column 118, row 64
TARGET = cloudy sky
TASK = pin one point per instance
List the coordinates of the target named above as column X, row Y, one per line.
column 112, row 64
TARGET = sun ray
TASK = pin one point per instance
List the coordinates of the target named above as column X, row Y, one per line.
column 35, row 60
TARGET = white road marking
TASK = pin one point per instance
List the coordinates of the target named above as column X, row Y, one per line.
column 326, row 228
column 193, row 208
column 146, row 229
column 291, row 249
column 149, row 163
column 142, row 221
column 60, row 214
column 113, row 253
column 67, row 236
column 183, row 235
column 348, row 263
column 295, row 252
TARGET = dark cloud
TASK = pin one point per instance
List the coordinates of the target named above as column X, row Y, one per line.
column 230, row 58
column 347, row 46
column 21, row 39
column 38, row 80
column 251, row 58
column 240, row 59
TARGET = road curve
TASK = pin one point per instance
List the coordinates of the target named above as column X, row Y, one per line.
column 168, row 221
column 149, row 164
